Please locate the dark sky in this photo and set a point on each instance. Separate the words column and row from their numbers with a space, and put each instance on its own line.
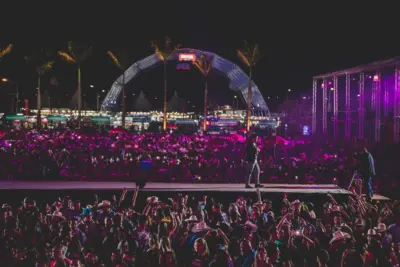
column 298, row 41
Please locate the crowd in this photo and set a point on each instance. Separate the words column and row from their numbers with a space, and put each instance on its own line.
column 190, row 232
column 185, row 230
column 88, row 154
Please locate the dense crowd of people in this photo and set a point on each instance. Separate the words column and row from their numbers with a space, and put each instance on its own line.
column 189, row 231
column 185, row 230
column 117, row 154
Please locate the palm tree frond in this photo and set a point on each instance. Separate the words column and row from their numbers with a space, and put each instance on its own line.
column 6, row 50
column 199, row 67
column 154, row 44
column 71, row 48
column 167, row 43
column 41, row 61
column 209, row 67
column 45, row 67
column 78, row 52
column 114, row 59
column 243, row 57
column 157, row 50
column 166, row 51
column 203, row 64
column 255, row 55
column 249, row 55
column 68, row 58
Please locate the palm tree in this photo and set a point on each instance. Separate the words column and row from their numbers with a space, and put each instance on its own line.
column 40, row 60
column 5, row 51
column 76, row 54
column 121, row 60
column 204, row 65
column 164, row 54
column 249, row 56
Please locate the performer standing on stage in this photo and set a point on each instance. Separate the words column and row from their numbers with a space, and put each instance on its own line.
column 367, row 171
column 252, row 167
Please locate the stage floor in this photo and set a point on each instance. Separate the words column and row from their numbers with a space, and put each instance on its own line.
column 175, row 187
column 84, row 185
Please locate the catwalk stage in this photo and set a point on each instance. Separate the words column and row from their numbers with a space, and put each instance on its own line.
column 176, row 187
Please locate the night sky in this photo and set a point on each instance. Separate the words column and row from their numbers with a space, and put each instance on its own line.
column 297, row 42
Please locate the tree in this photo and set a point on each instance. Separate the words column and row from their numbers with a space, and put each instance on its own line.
column 42, row 63
column 249, row 56
column 5, row 51
column 77, row 54
column 165, row 53
column 121, row 60
column 204, row 65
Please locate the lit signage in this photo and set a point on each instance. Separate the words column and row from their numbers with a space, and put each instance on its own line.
column 187, row 57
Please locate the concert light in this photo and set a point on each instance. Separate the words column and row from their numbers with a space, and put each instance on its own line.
column 187, row 57
column 376, row 78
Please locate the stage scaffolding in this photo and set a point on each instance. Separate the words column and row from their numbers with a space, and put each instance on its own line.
column 376, row 106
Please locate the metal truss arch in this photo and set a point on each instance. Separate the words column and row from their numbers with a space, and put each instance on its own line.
column 238, row 79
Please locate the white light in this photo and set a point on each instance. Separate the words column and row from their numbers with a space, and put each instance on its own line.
column 187, row 57
column 91, row 86
column 103, row 91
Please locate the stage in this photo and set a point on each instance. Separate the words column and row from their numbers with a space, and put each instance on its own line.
column 175, row 187
column 12, row 192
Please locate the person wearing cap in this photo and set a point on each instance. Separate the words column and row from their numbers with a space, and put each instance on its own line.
column 384, row 237
column 105, row 210
column 374, row 248
column 253, row 169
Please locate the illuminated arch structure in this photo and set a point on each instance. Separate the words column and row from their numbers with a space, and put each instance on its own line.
column 238, row 79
